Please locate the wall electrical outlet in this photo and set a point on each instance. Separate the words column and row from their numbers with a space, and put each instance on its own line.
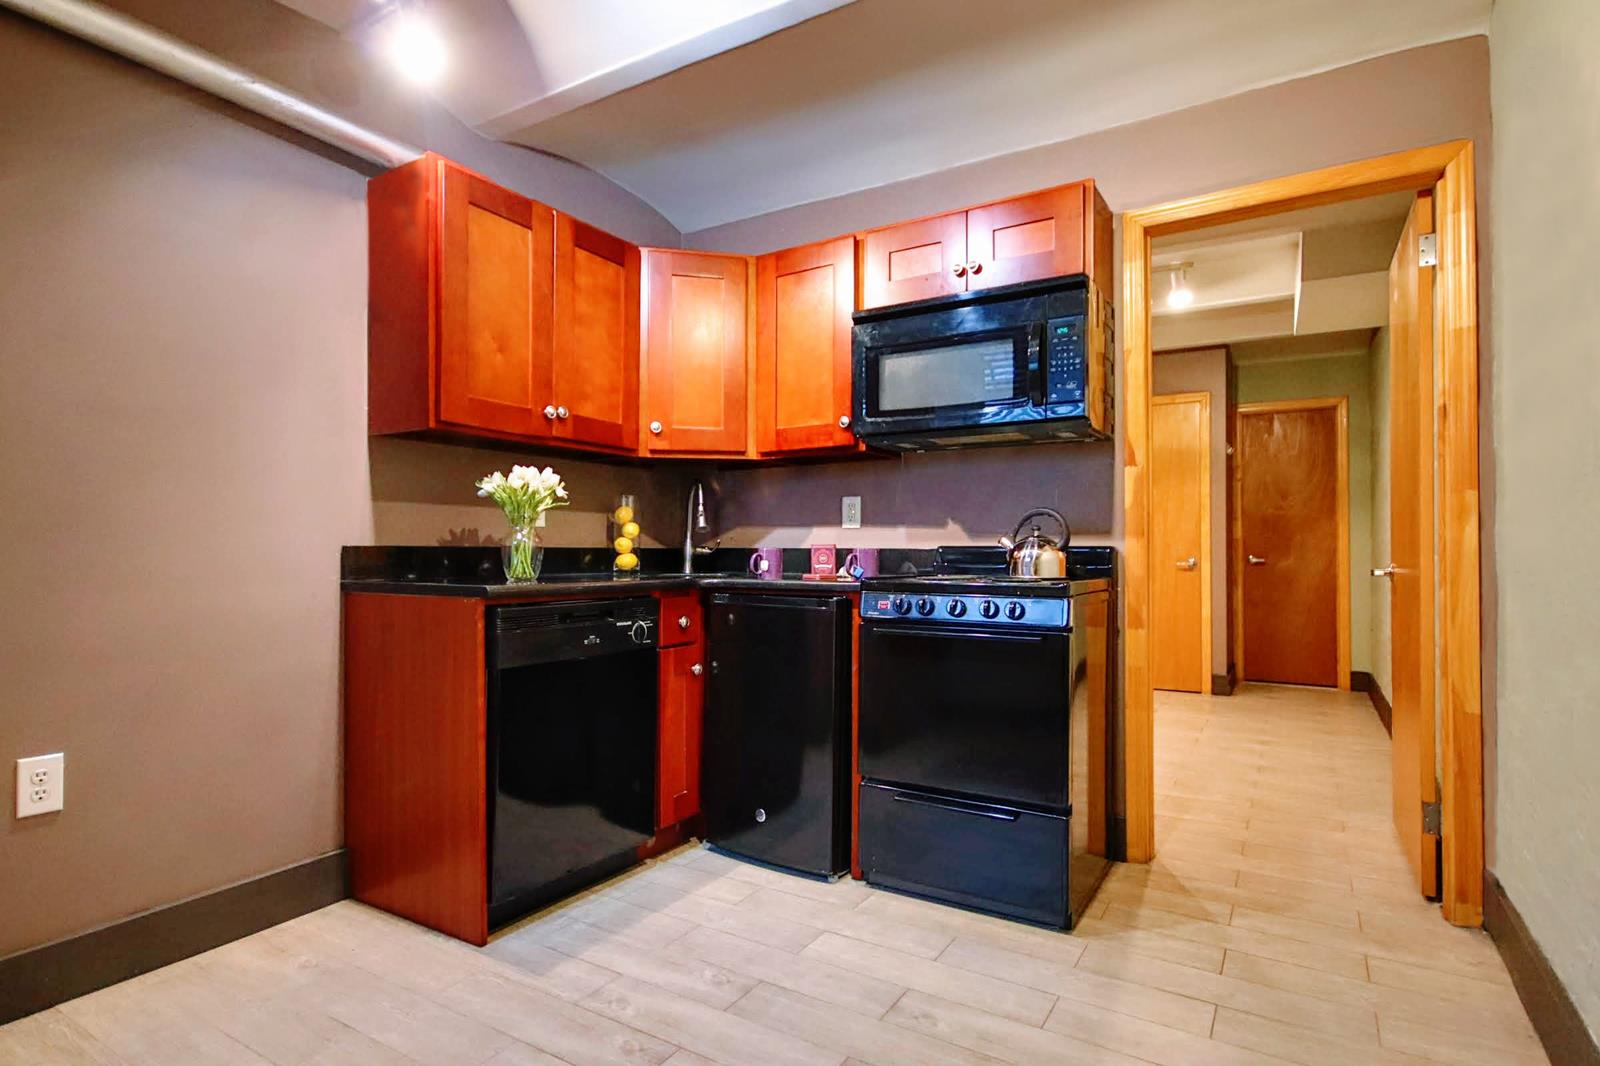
column 41, row 784
column 851, row 517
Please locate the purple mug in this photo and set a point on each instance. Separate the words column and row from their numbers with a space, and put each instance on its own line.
column 861, row 562
column 767, row 563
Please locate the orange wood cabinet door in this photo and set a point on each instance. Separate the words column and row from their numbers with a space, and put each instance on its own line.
column 1411, row 567
column 682, row 689
column 914, row 260
column 695, row 358
column 495, row 275
column 594, row 380
column 804, row 299
column 1289, row 486
column 1031, row 237
column 1180, row 486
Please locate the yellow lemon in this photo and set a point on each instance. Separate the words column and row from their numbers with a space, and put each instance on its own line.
column 623, row 545
column 630, row 529
column 627, row 561
column 623, row 514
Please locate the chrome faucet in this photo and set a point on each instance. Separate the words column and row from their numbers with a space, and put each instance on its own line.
column 694, row 520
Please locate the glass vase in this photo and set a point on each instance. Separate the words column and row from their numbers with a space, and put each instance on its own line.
column 522, row 554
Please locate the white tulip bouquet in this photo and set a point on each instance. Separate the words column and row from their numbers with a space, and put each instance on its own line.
column 524, row 495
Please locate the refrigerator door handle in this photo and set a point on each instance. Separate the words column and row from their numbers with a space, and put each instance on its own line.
column 996, row 813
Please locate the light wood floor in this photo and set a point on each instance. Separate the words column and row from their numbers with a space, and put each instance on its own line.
column 1277, row 926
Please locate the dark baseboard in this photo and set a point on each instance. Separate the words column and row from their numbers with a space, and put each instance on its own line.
column 1555, row 1017
column 39, row 978
column 1361, row 681
column 1222, row 684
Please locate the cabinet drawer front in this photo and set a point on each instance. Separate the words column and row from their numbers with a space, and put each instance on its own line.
column 681, row 620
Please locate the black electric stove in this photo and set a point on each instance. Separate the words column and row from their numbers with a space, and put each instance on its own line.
column 985, row 734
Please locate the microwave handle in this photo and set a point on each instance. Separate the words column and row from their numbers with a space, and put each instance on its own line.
column 1036, row 383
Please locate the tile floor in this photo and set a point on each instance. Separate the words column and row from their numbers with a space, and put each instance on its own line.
column 1278, row 925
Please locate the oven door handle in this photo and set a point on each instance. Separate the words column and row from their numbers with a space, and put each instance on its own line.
column 962, row 634
column 995, row 813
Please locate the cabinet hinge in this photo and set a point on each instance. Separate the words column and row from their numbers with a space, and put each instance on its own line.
column 1430, row 818
column 1428, row 250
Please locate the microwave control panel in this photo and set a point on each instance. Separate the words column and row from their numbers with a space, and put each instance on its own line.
column 1065, row 370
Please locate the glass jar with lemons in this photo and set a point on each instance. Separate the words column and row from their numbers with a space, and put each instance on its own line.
column 625, row 538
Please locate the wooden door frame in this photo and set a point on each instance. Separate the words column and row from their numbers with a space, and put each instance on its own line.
column 1341, row 408
column 1205, row 526
column 1449, row 170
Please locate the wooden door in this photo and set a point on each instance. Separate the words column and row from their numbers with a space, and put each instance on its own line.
column 594, row 387
column 1411, row 530
column 1294, row 517
column 1031, row 237
column 804, row 298
column 695, row 355
column 495, row 304
column 914, row 260
column 682, row 683
column 1180, row 541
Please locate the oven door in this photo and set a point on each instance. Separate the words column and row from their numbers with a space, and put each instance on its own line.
column 968, row 711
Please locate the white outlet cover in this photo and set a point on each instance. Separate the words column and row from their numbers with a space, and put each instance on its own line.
column 850, row 517
column 41, row 784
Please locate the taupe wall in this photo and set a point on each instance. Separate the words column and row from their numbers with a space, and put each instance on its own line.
column 1382, row 644
column 183, row 450
column 1546, row 466
column 1206, row 370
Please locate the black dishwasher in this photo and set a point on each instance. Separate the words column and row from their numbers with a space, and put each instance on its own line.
column 775, row 769
column 571, row 746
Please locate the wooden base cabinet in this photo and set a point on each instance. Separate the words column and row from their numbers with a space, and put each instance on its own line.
column 682, row 692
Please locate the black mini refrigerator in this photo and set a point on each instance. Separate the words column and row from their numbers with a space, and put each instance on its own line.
column 775, row 768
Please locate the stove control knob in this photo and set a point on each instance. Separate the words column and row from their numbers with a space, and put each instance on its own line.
column 956, row 608
column 925, row 606
column 989, row 609
column 1015, row 610
column 902, row 605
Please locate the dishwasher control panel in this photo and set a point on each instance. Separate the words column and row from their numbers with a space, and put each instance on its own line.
column 522, row 634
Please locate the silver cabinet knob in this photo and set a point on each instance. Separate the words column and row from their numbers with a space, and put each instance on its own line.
column 697, row 669
column 656, row 427
column 844, row 421
column 550, row 411
column 1385, row 571
column 974, row 267
column 959, row 270
column 683, row 621
column 562, row 412
column 1188, row 564
column 761, row 814
column 1255, row 560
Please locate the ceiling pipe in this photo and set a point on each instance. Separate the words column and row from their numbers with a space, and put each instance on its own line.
column 144, row 44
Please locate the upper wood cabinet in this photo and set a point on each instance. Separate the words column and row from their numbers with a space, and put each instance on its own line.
column 804, row 298
column 1065, row 230
column 595, row 370
column 695, row 360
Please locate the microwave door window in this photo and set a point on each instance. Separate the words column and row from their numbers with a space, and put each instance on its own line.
column 967, row 374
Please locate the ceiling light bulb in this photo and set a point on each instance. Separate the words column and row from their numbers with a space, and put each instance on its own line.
column 1180, row 295
column 415, row 47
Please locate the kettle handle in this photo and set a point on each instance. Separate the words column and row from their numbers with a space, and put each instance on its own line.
column 1066, row 530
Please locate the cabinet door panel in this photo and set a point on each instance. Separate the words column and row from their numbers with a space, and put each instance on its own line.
column 678, row 770
column 914, row 260
column 595, row 371
column 804, row 300
column 1031, row 237
column 495, row 306
column 695, row 352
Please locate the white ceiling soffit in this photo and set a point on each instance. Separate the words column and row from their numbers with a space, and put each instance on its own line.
column 882, row 90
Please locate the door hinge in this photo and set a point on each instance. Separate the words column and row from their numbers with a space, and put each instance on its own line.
column 1428, row 250
column 1430, row 818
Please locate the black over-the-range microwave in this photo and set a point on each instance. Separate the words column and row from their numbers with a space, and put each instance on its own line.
column 1007, row 365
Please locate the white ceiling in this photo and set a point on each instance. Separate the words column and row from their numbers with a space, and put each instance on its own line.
column 710, row 116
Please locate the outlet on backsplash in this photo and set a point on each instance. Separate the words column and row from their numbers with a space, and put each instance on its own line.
column 850, row 517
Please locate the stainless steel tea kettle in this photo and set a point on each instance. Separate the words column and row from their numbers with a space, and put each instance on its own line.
column 1036, row 555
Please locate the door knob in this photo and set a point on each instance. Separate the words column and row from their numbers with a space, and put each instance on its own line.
column 974, row 267
column 959, row 270
column 1255, row 560
column 844, row 421
column 655, row 427
column 697, row 669
column 550, row 411
column 1385, row 571
column 1188, row 564
column 562, row 412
